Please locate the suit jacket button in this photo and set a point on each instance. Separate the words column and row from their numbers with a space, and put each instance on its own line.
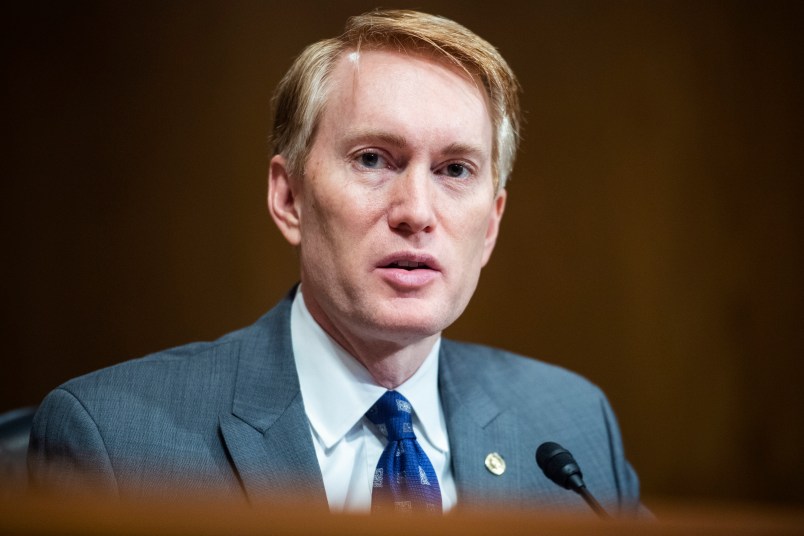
column 495, row 464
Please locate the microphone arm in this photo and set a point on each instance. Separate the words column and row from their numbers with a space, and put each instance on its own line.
column 592, row 502
column 559, row 466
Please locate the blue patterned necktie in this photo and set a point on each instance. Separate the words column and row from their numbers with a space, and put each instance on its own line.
column 404, row 480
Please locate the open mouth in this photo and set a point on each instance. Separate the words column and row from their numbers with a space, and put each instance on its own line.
column 408, row 271
column 409, row 265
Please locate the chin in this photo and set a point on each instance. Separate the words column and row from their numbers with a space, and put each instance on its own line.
column 412, row 321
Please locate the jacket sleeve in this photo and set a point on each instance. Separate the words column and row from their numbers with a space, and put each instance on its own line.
column 627, row 481
column 66, row 450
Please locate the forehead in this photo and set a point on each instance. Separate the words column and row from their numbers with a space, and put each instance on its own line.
column 414, row 94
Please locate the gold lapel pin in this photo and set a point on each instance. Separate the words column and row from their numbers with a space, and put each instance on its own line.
column 495, row 463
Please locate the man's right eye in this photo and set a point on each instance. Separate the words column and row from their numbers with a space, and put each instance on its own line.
column 371, row 160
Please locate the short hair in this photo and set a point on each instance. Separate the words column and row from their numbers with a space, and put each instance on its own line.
column 300, row 97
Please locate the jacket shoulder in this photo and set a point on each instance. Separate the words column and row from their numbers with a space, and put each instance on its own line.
column 521, row 376
column 167, row 370
column 204, row 370
column 153, row 421
column 542, row 402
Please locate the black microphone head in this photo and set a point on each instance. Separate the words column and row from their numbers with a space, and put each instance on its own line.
column 559, row 465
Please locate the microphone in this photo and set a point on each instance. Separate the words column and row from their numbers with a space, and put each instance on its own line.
column 559, row 466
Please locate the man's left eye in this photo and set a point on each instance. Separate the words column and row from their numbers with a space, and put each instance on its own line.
column 456, row 171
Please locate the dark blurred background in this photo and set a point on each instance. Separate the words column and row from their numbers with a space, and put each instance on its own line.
column 652, row 241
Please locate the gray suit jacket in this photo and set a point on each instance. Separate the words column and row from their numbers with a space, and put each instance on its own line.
column 228, row 416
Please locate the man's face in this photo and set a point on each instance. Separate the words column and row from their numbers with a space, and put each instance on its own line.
column 396, row 211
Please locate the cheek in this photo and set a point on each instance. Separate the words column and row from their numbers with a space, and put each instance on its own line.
column 473, row 225
column 337, row 221
column 472, row 251
column 316, row 225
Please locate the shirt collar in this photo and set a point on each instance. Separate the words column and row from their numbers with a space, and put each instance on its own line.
column 337, row 390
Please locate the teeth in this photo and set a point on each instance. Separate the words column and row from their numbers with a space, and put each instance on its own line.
column 408, row 264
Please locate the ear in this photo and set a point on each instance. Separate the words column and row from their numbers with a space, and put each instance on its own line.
column 494, row 225
column 282, row 200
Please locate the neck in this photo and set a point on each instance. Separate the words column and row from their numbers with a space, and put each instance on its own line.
column 389, row 360
column 390, row 364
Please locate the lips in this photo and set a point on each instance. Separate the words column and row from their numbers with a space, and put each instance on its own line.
column 409, row 271
column 410, row 261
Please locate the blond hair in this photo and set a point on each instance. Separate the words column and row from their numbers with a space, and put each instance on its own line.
column 301, row 95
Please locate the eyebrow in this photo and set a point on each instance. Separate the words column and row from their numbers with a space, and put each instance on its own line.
column 376, row 135
column 464, row 149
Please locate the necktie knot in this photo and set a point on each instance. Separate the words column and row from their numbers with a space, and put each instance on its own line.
column 393, row 414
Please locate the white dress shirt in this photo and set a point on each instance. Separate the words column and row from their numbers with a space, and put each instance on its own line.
column 337, row 391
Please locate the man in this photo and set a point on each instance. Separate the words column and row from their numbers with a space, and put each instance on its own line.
column 392, row 145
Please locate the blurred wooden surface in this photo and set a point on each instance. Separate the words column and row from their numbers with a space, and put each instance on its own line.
column 37, row 516
column 652, row 240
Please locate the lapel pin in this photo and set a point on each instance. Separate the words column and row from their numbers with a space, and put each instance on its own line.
column 495, row 463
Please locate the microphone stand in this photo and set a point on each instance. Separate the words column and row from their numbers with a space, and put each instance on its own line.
column 592, row 502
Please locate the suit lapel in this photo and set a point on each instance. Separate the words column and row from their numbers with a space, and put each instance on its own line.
column 267, row 433
column 477, row 426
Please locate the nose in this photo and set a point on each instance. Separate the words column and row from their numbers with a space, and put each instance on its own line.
column 411, row 208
